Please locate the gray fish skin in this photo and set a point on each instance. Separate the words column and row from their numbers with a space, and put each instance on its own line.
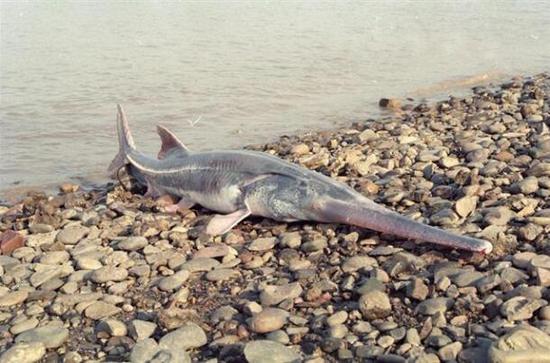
column 239, row 183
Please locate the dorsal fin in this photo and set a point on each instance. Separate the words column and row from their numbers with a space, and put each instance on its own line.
column 170, row 143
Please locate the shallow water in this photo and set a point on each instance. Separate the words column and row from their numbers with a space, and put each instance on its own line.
column 228, row 74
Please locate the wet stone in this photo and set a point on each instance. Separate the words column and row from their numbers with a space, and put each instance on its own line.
column 24, row 353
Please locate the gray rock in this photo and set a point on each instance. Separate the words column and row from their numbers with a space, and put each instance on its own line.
column 108, row 273
column 450, row 351
column 132, row 243
column 467, row 278
column 521, row 344
column 175, row 281
column 434, row 305
column 113, row 327
column 272, row 295
column 222, row 274
column 262, row 244
column 188, row 336
column 51, row 336
column 200, row 264
column 417, row 289
column 55, row 257
column 521, row 308
column 268, row 320
column 13, row 298
column 267, row 351
column 24, row 353
column 355, row 263
column 99, row 310
column 72, row 234
column 148, row 351
column 375, row 305
column 141, row 329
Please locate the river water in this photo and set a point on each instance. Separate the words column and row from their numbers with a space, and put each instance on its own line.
column 227, row 74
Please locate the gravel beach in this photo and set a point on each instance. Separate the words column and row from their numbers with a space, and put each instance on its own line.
column 104, row 275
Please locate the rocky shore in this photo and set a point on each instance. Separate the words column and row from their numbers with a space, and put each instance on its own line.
column 105, row 275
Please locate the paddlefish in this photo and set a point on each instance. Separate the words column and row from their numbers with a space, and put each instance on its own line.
column 240, row 183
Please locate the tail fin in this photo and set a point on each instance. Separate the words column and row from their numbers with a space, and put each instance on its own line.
column 367, row 214
column 125, row 143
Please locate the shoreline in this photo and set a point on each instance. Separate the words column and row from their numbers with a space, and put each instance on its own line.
column 103, row 275
column 432, row 93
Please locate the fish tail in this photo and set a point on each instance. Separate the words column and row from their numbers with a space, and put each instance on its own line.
column 125, row 143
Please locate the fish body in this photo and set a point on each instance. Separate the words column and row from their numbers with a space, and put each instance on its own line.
column 240, row 183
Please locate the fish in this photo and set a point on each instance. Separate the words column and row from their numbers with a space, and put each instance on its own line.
column 237, row 184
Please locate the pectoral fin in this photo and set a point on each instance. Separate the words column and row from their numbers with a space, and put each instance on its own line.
column 221, row 224
column 184, row 203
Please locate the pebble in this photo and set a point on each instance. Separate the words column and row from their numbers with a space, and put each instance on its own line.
column 174, row 281
column 24, row 353
column 13, row 298
column 521, row 344
column 262, row 244
column 71, row 235
column 222, row 274
column 51, row 336
column 267, row 351
column 189, row 336
column 133, row 243
column 141, row 329
column 434, row 305
column 355, row 263
column 100, row 310
column 273, row 295
column 10, row 241
column 113, row 327
column 375, row 305
column 268, row 320
column 108, row 273
column 521, row 308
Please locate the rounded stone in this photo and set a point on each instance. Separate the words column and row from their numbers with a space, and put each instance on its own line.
column 24, row 353
column 268, row 320
column 375, row 304
column 267, row 351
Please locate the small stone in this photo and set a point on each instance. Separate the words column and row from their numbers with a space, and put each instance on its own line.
column 467, row 278
column 434, row 305
column 337, row 318
column 99, row 310
column 465, row 206
column 113, row 327
column 268, row 320
column 299, row 150
column 141, row 329
column 71, row 235
column 200, row 264
column 315, row 245
column 450, row 351
column 133, row 243
column 523, row 343
column 13, row 298
column 291, row 239
column 390, row 103
column 375, row 305
column 526, row 186
column 521, row 308
column 24, row 353
column 272, row 295
column 543, row 276
column 108, row 273
column 355, row 263
column 413, row 337
column 10, row 241
column 189, row 336
column 50, row 336
column 55, row 257
column 174, row 281
column 417, row 289
column 267, row 351
column 24, row 325
column 216, row 251
column 88, row 263
column 222, row 274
